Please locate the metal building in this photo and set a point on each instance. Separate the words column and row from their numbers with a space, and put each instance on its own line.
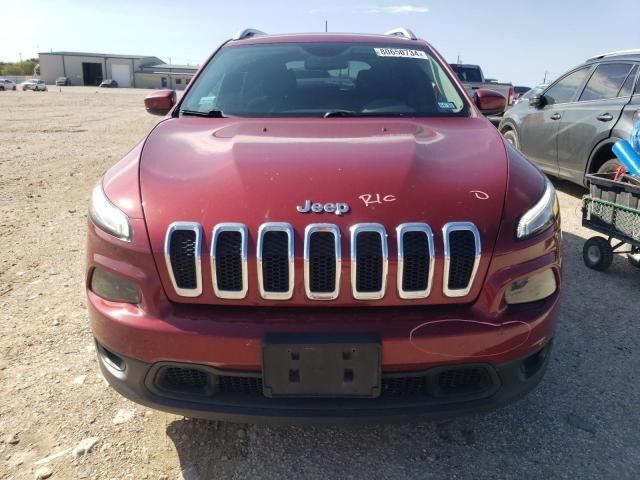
column 128, row 70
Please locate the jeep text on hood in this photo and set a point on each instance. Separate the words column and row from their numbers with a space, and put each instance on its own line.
column 324, row 226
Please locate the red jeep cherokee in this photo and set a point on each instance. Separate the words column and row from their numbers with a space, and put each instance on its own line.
column 323, row 226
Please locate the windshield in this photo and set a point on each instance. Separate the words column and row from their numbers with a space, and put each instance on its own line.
column 467, row 74
column 324, row 79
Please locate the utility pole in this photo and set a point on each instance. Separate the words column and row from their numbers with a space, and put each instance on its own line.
column 20, row 55
column 545, row 77
column 459, row 59
column 326, row 26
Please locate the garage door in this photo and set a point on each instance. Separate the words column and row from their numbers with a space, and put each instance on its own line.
column 121, row 73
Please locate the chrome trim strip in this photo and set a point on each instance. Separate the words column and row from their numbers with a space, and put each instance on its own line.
column 189, row 226
column 446, row 231
column 275, row 227
column 244, row 233
column 310, row 230
column 400, row 231
column 355, row 231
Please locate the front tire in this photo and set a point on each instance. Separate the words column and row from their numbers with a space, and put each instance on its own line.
column 512, row 137
column 597, row 254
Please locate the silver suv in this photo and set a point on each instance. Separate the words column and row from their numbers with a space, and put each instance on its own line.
column 568, row 129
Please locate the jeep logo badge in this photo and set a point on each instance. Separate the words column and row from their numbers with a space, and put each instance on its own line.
column 337, row 208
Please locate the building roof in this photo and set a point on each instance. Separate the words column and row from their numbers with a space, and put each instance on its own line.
column 173, row 66
column 102, row 55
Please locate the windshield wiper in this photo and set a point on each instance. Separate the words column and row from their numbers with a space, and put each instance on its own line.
column 198, row 113
column 339, row 113
column 348, row 113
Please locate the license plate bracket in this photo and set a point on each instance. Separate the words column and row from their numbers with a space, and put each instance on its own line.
column 311, row 365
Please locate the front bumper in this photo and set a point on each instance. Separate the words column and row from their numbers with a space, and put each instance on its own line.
column 141, row 382
column 417, row 345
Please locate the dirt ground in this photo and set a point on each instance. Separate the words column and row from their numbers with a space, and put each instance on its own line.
column 581, row 422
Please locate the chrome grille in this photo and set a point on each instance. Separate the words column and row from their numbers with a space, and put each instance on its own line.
column 322, row 260
column 416, row 260
column 369, row 259
column 461, row 257
column 182, row 250
column 275, row 261
column 229, row 260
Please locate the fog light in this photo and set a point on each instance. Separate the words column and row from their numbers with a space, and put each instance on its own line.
column 113, row 287
column 536, row 287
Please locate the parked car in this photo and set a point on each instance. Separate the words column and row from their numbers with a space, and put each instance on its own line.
column 323, row 226
column 525, row 96
column 62, row 82
column 519, row 91
column 569, row 128
column 7, row 84
column 36, row 85
column 473, row 79
column 108, row 83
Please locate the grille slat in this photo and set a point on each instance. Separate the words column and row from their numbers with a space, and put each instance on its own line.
column 369, row 258
column 275, row 261
column 229, row 260
column 415, row 260
column 322, row 261
column 182, row 256
column 462, row 256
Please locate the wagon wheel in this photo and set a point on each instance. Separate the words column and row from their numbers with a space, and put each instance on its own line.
column 597, row 254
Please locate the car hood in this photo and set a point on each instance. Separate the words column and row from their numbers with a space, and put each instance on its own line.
column 389, row 171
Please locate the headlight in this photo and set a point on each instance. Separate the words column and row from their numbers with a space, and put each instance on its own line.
column 107, row 216
column 536, row 287
column 541, row 215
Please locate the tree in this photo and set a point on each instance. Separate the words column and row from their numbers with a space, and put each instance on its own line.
column 12, row 69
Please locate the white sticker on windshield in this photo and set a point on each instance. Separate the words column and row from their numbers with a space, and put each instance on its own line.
column 447, row 105
column 400, row 52
column 208, row 101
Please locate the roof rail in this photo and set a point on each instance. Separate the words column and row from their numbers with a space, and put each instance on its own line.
column 402, row 32
column 631, row 51
column 247, row 33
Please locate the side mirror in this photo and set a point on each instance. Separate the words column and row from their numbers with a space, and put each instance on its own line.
column 490, row 102
column 536, row 100
column 160, row 102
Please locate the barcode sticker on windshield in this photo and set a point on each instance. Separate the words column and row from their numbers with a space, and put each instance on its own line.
column 400, row 52
column 446, row 105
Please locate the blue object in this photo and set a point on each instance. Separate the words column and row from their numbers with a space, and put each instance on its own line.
column 634, row 141
column 627, row 156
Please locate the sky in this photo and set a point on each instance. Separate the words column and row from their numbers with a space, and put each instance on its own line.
column 514, row 41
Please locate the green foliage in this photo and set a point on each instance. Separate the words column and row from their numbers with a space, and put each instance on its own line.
column 25, row 67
